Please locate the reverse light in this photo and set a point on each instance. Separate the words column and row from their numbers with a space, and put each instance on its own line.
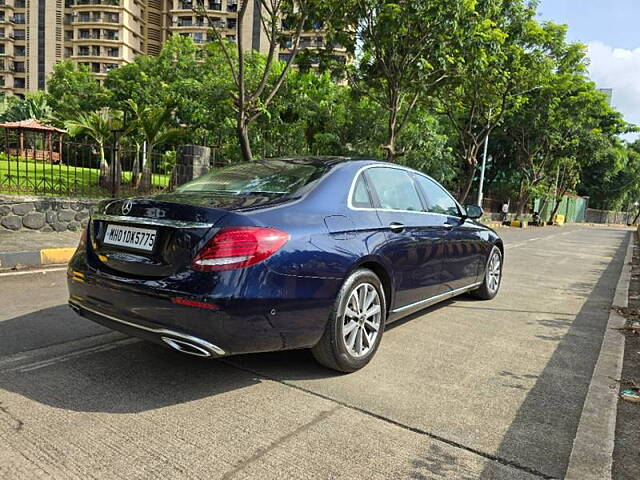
column 238, row 247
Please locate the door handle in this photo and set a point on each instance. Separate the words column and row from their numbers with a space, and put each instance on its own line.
column 396, row 227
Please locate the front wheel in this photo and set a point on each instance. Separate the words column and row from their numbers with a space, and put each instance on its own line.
column 356, row 324
column 492, row 276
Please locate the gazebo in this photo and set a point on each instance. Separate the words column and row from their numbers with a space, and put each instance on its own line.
column 23, row 128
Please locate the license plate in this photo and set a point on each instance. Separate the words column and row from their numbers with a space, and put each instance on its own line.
column 130, row 237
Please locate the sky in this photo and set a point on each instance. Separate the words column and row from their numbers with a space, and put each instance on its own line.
column 611, row 31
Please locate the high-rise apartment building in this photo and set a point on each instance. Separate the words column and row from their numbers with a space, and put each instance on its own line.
column 104, row 34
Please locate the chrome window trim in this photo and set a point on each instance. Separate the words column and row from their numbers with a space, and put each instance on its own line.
column 159, row 222
column 397, row 167
column 437, row 298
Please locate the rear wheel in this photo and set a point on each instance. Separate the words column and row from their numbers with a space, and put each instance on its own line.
column 356, row 324
column 492, row 276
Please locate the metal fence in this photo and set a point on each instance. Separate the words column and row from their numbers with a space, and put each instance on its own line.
column 87, row 170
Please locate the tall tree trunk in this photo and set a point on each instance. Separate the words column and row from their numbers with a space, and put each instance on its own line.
column 466, row 186
column 523, row 199
column 392, row 126
column 135, row 168
column 104, row 181
column 145, row 178
column 243, row 139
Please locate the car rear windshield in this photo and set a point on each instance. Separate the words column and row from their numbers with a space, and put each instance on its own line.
column 269, row 177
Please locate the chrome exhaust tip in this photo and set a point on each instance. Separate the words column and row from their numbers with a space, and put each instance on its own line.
column 190, row 348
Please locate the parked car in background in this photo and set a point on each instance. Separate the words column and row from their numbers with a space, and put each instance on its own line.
column 318, row 253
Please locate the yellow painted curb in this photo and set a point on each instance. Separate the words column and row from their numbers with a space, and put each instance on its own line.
column 56, row 255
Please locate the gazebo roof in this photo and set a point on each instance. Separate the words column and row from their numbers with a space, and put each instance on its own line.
column 31, row 125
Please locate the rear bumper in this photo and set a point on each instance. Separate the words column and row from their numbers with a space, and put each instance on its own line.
column 174, row 339
column 282, row 313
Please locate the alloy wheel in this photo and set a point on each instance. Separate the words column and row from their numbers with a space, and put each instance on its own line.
column 494, row 271
column 361, row 320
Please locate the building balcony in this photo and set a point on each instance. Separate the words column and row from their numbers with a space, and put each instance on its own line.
column 105, row 3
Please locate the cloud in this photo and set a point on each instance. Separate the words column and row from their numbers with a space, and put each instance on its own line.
column 619, row 69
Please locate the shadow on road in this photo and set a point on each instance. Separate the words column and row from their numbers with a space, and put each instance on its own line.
column 541, row 435
column 44, row 327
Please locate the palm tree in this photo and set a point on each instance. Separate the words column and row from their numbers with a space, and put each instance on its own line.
column 100, row 126
column 154, row 125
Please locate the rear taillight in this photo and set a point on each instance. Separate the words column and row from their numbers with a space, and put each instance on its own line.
column 237, row 247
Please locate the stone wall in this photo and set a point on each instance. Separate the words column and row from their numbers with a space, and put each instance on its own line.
column 45, row 214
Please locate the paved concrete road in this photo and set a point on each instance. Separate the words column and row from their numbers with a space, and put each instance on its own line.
column 466, row 390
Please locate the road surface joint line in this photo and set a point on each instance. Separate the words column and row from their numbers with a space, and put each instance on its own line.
column 434, row 436
column 26, row 272
column 592, row 453
column 16, row 361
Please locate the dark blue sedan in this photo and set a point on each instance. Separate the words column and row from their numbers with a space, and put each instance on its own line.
column 316, row 253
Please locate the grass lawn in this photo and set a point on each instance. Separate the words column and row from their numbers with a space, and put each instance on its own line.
column 40, row 178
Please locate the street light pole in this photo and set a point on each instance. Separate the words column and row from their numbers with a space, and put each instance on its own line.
column 484, row 163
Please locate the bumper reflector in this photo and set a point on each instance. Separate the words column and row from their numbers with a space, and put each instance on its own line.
column 192, row 303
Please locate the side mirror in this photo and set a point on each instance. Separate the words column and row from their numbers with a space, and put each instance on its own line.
column 473, row 211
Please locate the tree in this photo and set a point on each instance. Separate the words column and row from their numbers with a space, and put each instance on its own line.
column 256, row 78
column 502, row 60
column 408, row 49
column 72, row 89
column 154, row 124
column 34, row 105
column 99, row 125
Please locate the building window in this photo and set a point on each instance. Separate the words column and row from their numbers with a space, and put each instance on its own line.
column 19, row 18
column 185, row 5
column 110, row 34
column 68, row 52
column 215, row 5
column 232, row 5
column 96, row 17
column 83, row 50
column 95, row 67
column 113, row 52
column 109, row 66
column 95, row 50
column 19, row 83
column 198, row 37
column 112, row 17
column 19, row 50
column 231, row 38
column 231, row 23
column 19, row 3
column 2, row 33
column 18, row 67
column 68, row 34
column 185, row 21
column 2, row 81
column 84, row 34
column 19, row 35
column 2, row 49
column 2, row 18
column 68, row 18
column 84, row 16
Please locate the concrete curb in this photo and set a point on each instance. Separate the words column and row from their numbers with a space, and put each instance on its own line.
column 592, row 453
column 45, row 256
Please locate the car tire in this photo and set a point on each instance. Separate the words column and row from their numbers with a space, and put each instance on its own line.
column 492, row 276
column 348, row 342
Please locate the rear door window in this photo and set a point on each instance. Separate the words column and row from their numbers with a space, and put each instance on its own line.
column 394, row 189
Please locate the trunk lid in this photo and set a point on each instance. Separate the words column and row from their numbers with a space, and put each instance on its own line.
column 180, row 224
column 178, row 230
